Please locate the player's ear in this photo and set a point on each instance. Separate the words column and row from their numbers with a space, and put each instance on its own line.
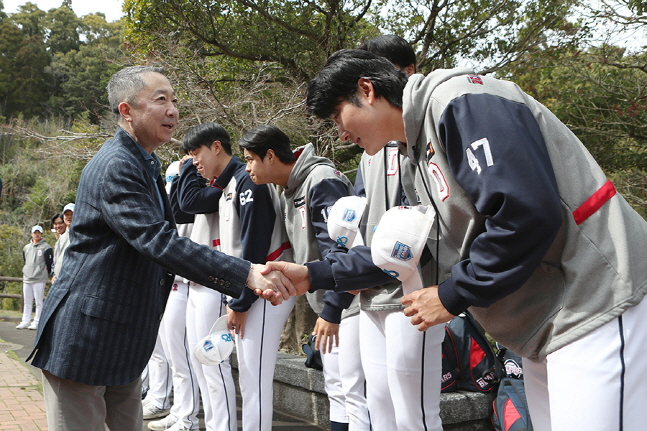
column 365, row 89
column 270, row 156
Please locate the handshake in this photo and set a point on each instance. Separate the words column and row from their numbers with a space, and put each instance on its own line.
column 277, row 281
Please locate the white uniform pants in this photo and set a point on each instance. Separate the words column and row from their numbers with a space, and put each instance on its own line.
column 352, row 375
column 157, row 378
column 403, row 369
column 173, row 335
column 256, row 354
column 333, row 386
column 216, row 382
column 32, row 292
column 596, row 383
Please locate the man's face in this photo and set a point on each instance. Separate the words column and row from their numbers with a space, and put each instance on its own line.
column 371, row 122
column 67, row 217
column 205, row 159
column 36, row 236
column 59, row 226
column 155, row 115
column 256, row 168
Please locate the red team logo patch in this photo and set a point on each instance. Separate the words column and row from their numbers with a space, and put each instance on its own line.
column 475, row 79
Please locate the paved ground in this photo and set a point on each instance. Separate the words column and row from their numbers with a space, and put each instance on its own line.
column 21, row 399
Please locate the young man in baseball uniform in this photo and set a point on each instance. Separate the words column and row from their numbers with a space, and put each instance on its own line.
column 530, row 234
column 251, row 226
column 38, row 264
column 312, row 185
column 399, row 361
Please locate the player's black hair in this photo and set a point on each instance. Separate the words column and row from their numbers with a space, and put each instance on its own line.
column 203, row 135
column 55, row 216
column 393, row 48
column 337, row 81
column 266, row 137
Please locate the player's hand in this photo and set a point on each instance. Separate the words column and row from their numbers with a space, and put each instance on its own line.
column 425, row 309
column 327, row 335
column 270, row 285
column 184, row 159
column 297, row 274
column 236, row 322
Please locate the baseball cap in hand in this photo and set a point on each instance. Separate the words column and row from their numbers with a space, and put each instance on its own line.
column 216, row 347
column 171, row 172
column 398, row 243
column 343, row 220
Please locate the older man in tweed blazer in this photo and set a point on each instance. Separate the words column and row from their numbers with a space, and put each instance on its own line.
column 101, row 317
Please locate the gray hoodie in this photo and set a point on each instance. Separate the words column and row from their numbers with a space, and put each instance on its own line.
column 531, row 236
column 38, row 262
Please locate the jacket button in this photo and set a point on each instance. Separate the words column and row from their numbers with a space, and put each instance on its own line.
column 162, row 282
column 211, row 279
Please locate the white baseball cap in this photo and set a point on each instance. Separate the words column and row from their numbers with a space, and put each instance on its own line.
column 172, row 171
column 398, row 243
column 216, row 347
column 68, row 207
column 343, row 221
column 37, row 228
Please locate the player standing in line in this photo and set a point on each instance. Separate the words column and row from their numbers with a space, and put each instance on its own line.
column 183, row 415
column 312, row 185
column 63, row 240
column 251, row 227
column 401, row 363
column 531, row 235
column 38, row 259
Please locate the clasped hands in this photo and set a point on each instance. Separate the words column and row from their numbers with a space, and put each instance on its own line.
column 277, row 281
column 285, row 279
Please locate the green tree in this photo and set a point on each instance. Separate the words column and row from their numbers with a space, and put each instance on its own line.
column 62, row 29
column 30, row 20
column 23, row 83
column 300, row 34
column 11, row 39
column 31, row 83
column 81, row 75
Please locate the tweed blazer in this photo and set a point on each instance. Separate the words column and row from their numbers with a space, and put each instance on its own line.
column 101, row 316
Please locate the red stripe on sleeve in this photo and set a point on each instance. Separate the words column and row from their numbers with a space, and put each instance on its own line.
column 595, row 202
column 276, row 253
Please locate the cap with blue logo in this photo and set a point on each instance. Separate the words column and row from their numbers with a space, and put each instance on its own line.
column 398, row 243
column 172, row 171
column 343, row 221
column 217, row 346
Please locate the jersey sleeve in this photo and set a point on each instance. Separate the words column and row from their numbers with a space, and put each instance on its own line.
column 193, row 195
column 497, row 154
column 257, row 216
column 344, row 272
column 181, row 217
column 49, row 259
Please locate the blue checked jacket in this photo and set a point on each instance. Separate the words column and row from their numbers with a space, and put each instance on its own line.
column 101, row 317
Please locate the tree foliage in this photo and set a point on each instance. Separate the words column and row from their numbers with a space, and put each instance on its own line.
column 299, row 35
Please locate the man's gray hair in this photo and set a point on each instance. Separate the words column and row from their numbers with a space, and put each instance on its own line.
column 125, row 85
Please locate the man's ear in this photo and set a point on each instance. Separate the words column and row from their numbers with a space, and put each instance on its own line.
column 410, row 69
column 270, row 156
column 216, row 146
column 365, row 89
column 124, row 111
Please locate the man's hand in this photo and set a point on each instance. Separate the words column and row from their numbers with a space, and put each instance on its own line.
column 425, row 309
column 269, row 284
column 297, row 274
column 236, row 322
column 327, row 335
